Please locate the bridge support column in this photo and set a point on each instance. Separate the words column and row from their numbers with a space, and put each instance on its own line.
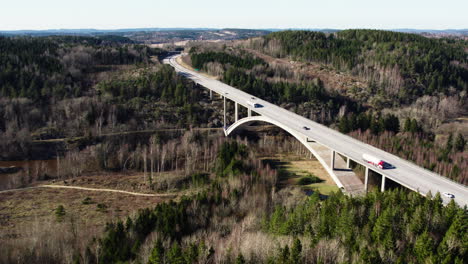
column 236, row 111
column 348, row 163
column 366, row 179
column 224, row 112
column 249, row 112
column 332, row 159
column 382, row 188
column 211, row 94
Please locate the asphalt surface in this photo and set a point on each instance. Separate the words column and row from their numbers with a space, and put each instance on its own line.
column 403, row 172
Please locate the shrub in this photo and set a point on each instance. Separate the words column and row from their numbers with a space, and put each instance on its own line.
column 309, row 179
column 101, row 207
column 87, row 200
column 60, row 213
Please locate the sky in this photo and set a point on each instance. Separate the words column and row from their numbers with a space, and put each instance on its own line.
column 337, row 14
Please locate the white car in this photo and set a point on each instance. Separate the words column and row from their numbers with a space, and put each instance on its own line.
column 448, row 195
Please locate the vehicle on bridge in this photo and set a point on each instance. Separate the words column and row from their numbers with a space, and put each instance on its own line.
column 448, row 195
column 254, row 105
column 375, row 161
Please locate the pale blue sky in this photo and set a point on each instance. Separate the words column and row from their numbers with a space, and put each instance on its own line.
column 340, row 14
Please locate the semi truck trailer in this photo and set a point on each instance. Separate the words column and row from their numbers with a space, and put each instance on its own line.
column 374, row 161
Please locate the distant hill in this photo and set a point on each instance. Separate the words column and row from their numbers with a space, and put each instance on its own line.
column 149, row 35
column 90, row 31
column 434, row 31
column 191, row 33
column 180, row 33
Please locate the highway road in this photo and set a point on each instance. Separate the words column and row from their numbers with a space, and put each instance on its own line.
column 404, row 172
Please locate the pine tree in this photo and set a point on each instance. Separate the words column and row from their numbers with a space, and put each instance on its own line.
column 157, row 254
column 460, row 143
column 175, row 256
column 454, row 242
column 240, row 259
column 449, row 144
column 423, row 247
column 60, row 213
column 344, row 126
column 296, row 251
column 407, row 126
column 284, row 255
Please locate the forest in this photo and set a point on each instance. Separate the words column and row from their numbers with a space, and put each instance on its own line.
column 405, row 66
column 110, row 115
column 75, row 86
column 41, row 68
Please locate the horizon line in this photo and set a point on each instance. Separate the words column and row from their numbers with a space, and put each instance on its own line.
column 221, row 28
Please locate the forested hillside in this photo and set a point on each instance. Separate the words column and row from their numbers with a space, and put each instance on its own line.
column 40, row 68
column 399, row 66
column 58, row 87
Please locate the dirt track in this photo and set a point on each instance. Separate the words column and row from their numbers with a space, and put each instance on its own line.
column 91, row 189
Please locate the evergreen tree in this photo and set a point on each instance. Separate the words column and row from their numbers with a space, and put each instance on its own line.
column 344, row 126
column 240, row 259
column 423, row 247
column 175, row 256
column 296, row 251
column 284, row 255
column 157, row 254
column 407, row 126
column 449, row 144
column 460, row 143
column 60, row 213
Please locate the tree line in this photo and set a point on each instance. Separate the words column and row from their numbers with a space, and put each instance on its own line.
column 199, row 59
column 276, row 92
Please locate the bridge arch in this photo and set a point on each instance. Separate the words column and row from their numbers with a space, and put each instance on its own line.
column 300, row 137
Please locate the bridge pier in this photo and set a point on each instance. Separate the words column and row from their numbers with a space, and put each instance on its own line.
column 236, row 111
column 332, row 160
column 224, row 112
column 211, row 94
column 366, row 179
column 348, row 163
column 249, row 112
column 382, row 187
